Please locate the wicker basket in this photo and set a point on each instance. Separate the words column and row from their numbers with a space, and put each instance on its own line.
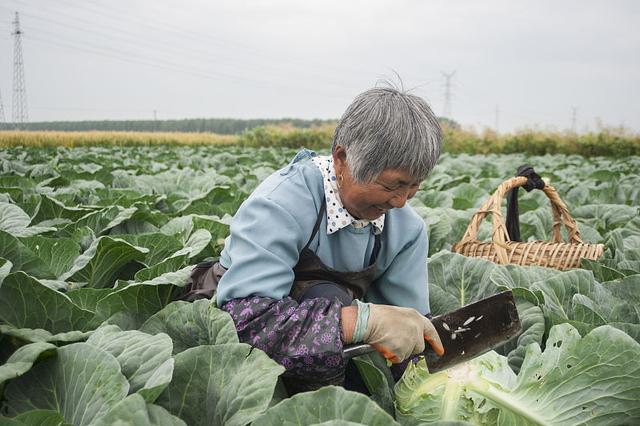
column 552, row 254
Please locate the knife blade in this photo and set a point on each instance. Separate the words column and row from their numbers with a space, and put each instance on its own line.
column 467, row 332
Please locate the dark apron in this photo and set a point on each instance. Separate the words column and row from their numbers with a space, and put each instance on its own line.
column 309, row 271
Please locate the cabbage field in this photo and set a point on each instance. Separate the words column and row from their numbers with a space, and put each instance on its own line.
column 97, row 242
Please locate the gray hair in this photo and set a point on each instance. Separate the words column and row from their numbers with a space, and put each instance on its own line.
column 386, row 128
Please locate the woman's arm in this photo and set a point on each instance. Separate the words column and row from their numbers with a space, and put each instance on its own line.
column 348, row 318
column 305, row 338
column 263, row 249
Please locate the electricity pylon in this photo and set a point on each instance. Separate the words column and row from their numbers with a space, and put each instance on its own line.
column 446, row 111
column 20, row 114
column 2, row 117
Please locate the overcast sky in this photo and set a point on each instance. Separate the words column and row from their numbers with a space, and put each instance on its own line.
column 533, row 61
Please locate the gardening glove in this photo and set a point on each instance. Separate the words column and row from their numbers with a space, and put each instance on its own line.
column 397, row 333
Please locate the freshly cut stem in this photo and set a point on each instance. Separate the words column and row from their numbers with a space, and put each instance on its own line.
column 505, row 401
column 451, row 400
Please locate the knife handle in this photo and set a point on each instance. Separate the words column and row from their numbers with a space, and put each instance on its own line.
column 364, row 348
column 357, row 349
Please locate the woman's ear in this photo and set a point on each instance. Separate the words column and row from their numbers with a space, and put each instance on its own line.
column 340, row 160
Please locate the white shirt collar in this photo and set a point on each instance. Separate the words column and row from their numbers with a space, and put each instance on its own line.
column 337, row 216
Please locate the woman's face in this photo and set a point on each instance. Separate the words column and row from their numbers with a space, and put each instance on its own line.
column 391, row 189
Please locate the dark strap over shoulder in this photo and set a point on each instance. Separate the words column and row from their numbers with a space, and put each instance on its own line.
column 316, row 227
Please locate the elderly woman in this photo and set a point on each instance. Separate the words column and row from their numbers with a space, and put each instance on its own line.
column 326, row 252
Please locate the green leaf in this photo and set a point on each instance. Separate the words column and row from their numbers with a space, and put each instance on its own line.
column 323, row 406
column 565, row 396
column 160, row 246
column 192, row 324
column 179, row 227
column 58, row 254
column 82, row 383
column 13, row 219
column 512, row 276
column 219, row 228
column 16, row 222
column 88, row 298
column 99, row 221
column 446, row 395
column 23, row 359
column 576, row 380
column 170, row 264
column 50, row 208
column 607, row 216
column 40, row 335
column 123, row 214
column 456, row 281
column 5, row 269
column 35, row 417
column 158, row 381
column 132, row 305
column 27, row 303
column 22, row 258
column 600, row 271
column 230, row 384
column 99, row 266
column 134, row 411
column 627, row 288
column 198, row 241
column 533, row 328
column 377, row 377
column 139, row 354
column 178, row 278
column 445, row 226
column 218, row 201
column 467, row 196
column 576, row 297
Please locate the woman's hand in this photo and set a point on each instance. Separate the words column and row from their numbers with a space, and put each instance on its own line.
column 397, row 333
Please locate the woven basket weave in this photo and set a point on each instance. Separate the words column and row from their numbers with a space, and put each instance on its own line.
column 552, row 254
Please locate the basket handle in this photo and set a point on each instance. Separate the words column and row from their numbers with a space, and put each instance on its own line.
column 534, row 181
column 500, row 235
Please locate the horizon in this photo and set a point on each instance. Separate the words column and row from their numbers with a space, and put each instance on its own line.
column 535, row 64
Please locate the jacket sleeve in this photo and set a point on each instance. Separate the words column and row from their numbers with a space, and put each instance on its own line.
column 304, row 338
column 264, row 247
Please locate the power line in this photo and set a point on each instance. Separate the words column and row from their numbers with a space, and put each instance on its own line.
column 20, row 113
column 446, row 111
column 112, row 32
column 170, row 66
column 192, row 35
column 214, row 62
column 54, row 38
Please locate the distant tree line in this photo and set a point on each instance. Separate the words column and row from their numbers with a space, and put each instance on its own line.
column 223, row 126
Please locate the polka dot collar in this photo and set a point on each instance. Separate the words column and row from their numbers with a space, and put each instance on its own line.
column 337, row 216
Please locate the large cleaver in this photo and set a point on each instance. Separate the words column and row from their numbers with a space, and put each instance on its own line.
column 467, row 332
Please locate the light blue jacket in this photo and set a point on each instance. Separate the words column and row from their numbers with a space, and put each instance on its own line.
column 273, row 225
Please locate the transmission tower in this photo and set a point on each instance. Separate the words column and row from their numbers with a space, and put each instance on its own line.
column 446, row 111
column 574, row 119
column 2, row 117
column 20, row 114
